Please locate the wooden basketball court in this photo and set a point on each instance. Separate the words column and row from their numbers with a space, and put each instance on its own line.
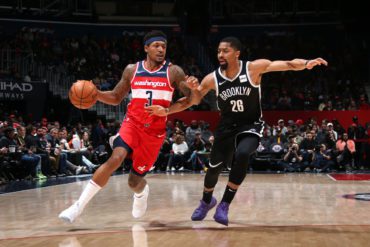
column 269, row 210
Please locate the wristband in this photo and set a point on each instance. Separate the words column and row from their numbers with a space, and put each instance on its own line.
column 305, row 64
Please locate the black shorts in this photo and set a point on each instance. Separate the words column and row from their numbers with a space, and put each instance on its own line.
column 225, row 144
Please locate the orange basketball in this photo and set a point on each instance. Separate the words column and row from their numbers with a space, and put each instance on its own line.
column 83, row 94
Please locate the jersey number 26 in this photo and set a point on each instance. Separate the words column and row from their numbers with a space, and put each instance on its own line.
column 237, row 105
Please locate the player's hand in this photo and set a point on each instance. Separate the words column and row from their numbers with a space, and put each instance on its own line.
column 156, row 110
column 314, row 62
column 192, row 82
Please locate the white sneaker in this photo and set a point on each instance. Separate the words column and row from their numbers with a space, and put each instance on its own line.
column 70, row 214
column 181, row 168
column 111, row 140
column 140, row 203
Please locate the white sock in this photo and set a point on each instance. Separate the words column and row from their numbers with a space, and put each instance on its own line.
column 138, row 195
column 88, row 193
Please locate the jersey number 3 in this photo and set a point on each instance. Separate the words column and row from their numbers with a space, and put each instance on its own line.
column 237, row 105
column 150, row 98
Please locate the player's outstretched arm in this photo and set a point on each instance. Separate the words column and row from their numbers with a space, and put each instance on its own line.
column 187, row 85
column 115, row 96
column 260, row 66
column 265, row 66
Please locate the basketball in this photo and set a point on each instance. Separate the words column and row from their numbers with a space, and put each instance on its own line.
column 83, row 94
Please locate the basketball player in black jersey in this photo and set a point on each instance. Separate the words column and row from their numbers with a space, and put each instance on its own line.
column 238, row 88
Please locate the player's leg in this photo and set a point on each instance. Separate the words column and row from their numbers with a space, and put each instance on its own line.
column 138, row 184
column 247, row 144
column 100, row 179
column 221, row 154
column 144, row 158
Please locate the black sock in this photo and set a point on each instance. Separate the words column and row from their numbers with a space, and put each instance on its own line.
column 207, row 196
column 228, row 195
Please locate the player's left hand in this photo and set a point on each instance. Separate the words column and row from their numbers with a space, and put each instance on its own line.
column 156, row 110
column 314, row 62
column 192, row 82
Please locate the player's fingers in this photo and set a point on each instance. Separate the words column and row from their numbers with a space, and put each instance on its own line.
column 150, row 107
column 321, row 61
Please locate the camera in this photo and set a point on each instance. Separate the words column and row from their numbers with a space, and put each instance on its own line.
column 317, row 149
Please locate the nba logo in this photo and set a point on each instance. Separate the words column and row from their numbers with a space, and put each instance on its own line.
column 243, row 78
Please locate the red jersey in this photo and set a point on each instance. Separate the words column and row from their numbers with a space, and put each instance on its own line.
column 149, row 88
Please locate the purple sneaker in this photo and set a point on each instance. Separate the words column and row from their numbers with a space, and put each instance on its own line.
column 201, row 211
column 221, row 213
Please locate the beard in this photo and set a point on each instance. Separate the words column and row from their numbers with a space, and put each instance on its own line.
column 224, row 66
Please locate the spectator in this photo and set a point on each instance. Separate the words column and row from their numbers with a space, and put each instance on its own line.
column 191, row 130
column 308, row 147
column 322, row 159
column 280, row 127
column 178, row 156
column 331, row 131
column 197, row 146
column 346, row 152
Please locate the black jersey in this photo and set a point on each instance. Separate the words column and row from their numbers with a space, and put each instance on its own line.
column 239, row 102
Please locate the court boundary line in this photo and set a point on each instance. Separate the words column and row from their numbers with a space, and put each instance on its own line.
column 331, row 177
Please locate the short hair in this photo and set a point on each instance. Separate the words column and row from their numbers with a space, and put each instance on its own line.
column 154, row 33
column 8, row 130
column 234, row 42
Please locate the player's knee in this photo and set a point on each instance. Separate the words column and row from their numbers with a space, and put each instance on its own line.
column 115, row 161
column 242, row 157
column 214, row 171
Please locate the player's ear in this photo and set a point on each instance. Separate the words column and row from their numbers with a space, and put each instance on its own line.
column 237, row 54
column 146, row 48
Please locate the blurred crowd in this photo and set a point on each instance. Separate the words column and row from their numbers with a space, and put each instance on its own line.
column 47, row 149
column 312, row 146
column 340, row 86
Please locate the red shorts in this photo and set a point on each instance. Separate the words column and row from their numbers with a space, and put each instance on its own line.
column 145, row 147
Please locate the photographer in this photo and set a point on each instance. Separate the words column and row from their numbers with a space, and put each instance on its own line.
column 322, row 160
column 292, row 160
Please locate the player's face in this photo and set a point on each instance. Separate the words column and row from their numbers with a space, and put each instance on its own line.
column 227, row 55
column 156, row 51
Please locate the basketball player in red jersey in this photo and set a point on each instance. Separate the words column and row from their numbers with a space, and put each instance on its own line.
column 152, row 82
